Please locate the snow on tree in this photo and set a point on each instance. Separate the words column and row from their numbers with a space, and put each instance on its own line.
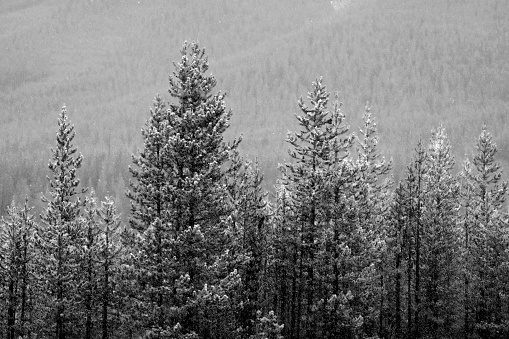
column 17, row 257
column 485, row 240
column 59, row 236
column 179, row 204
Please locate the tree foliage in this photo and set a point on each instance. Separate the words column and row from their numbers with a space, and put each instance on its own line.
column 338, row 251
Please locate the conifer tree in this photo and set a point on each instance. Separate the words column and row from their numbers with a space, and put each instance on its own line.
column 414, row 184
column 251, row 234
column 88, row 264
column 282, row 266
column 179, row 202
column 108, row 258
column 440, row 246
column 149, row 173
column 371, row 188
column 402, row 272
column 267, row 327
column 149, row 209
column 58, row 238
column 317, row 150
column 485, row 238
column 16, row 269
column 398, row 225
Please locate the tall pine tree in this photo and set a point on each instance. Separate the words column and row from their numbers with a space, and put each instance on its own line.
column 440, row 235
column 317, row 150
column 17, row 255
column 179, row 203
column 60, row 235
column 485, row 242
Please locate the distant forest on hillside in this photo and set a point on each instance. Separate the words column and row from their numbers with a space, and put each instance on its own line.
column 342, row 250
column 416, row 63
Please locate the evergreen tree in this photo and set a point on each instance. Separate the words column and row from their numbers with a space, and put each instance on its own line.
column 251, row 235
column 149, row 209
column 179, row 204
column 108, row 258
column 485, row 241
column 402, row 265
column 58, row 238
column 149, row 173
column 440, row 245
column 88, row 265
column 398, row 224
column 267, row 327
column 16, row 268
column 317, row 150
column 282, row 264
column 372, row 197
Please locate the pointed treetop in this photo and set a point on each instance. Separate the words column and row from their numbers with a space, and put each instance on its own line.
column 484, row 160
column 64, row 181
column 189, row 83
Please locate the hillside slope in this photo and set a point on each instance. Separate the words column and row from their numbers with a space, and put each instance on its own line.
column 418, row 64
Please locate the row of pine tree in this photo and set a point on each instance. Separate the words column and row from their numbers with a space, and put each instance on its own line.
column 340, row 252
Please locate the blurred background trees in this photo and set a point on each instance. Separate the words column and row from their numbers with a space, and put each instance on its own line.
column 416, row 63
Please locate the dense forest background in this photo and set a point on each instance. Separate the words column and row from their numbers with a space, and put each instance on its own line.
column 151, row 220
column 416, row 62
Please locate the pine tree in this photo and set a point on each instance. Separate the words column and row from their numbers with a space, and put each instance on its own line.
column 282, row 265
column 267, row 327
column 179, row 203
column 440, row 246
column 317, row 150
column 16, row 268
column 250, row 239
column 403, row 259
column 150, row 172
column 485, row 238
column 88, row 264
column 371, row 187
column 108, row 257
column 398, row 226
column 149, row 207
column 416, row 193
column 58, row 238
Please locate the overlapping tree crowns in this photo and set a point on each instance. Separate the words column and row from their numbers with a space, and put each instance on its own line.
column 179, row 197
column 60, row 241
column 318, row 147
column 150, row 171
column 195, row 148
column 320, row 129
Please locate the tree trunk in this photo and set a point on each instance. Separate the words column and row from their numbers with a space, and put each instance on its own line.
column 59, row 329
column 381, row 328
column 293, row 312
column 409, row 280
column 105, row 296
column 417, row 279
column 24, row 286
column 398, row 296
column 11, row 311
column 466, row 319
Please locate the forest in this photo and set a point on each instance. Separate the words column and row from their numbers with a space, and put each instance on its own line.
column 343, row 251
column 417, row 63
column 372, row 207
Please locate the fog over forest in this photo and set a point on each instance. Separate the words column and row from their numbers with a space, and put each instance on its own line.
column 254, row 169
column 418, row 64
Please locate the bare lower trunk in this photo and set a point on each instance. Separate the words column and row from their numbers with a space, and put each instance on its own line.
column 11, row 311
column 398, row 297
